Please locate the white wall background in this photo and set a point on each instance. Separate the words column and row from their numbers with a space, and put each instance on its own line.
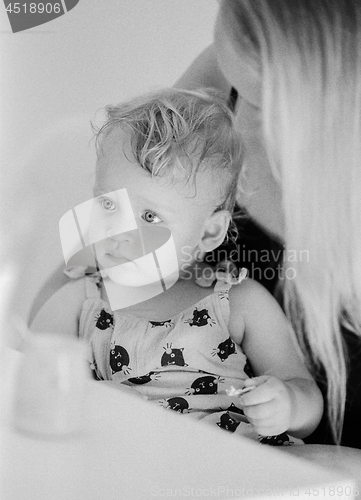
column 54, row 80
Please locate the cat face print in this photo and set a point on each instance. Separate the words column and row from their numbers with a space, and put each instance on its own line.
column 144, row 379
column 172, row 356
column 227, row 422
column 225, row 349
column 104, row 320
column 119, row 360
column 177, row 404
column 200, row 318
column 204, row 385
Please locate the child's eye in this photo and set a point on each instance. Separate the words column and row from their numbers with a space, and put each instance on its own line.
column 151, row 217
column 107, row 204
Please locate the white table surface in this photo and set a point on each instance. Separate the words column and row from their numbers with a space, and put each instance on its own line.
column 340, row 459
column 128, row 448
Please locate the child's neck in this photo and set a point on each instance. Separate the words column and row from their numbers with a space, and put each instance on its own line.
column 183, row 294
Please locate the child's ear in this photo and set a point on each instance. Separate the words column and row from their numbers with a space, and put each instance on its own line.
column 215, row 230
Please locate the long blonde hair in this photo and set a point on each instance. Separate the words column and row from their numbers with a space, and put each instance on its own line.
column 309, row 56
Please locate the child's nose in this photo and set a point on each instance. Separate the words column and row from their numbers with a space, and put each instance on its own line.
column 128, row 236
column 111, row 233
column 131, row 239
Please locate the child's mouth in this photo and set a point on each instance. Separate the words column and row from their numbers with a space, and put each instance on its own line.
column 115, row 260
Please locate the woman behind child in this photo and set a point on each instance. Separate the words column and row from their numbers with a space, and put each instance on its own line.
column 166, row 173
column 296, row 65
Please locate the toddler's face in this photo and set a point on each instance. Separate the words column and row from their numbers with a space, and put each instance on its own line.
column 134, row 214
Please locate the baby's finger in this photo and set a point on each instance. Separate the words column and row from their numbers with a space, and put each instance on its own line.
column 270, row 430
column 261, row 411
column 259, row 395
column 255, row 381
column 267, row 425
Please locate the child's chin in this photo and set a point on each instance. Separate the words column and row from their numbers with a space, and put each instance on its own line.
column 133, row 280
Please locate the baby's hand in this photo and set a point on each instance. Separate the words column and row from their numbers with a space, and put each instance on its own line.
column 268, row 406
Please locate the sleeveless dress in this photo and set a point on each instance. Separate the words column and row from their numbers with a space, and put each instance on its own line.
column 185, row 363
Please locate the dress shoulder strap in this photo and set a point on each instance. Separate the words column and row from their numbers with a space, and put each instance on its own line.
column 226, row 280
column 225, row 275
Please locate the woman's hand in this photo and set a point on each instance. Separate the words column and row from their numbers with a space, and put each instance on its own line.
column 268, row 406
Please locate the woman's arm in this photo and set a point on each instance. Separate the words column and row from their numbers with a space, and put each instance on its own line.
column 205, row 72
column 285, row 397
